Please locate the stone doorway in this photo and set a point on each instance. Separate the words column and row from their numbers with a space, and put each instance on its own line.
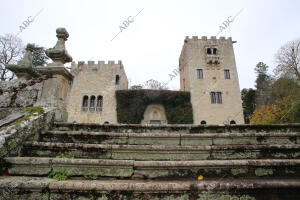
column 155, row 114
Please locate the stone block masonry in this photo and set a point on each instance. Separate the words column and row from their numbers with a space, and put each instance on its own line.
column 97, row 83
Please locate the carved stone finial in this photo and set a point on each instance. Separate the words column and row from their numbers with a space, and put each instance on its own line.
column 58, row 53
column 24, row 68
column 26, row 61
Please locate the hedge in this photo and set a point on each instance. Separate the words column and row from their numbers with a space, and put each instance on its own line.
column 131, row 105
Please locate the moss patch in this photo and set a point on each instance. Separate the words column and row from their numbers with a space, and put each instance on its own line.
column 131, row 105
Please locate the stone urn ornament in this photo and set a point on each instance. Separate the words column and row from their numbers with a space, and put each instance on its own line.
column 24, row 69
column 58, row 53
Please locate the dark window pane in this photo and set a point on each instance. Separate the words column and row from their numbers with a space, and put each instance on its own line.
column 117, row 79
column 199, row 73
column 85, row 101
column 227, row 74
column 92, row 101
column 213, row 97
column 219, row 97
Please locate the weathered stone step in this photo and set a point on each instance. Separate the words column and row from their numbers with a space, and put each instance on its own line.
column 24, row 188
column 169, row 138
column 172, row 128
column 161, row 152
column 154, row 169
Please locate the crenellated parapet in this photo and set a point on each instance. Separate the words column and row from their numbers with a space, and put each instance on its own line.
column 205, row 38
column 93, row 66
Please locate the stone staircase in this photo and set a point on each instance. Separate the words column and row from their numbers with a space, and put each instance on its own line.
column 157, row 162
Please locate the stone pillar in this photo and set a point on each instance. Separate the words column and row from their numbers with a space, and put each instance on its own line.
column 55, row 89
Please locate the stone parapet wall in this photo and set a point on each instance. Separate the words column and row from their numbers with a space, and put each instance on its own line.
column 18, row 94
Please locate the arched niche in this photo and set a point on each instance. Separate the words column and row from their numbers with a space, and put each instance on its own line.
column 155, row 114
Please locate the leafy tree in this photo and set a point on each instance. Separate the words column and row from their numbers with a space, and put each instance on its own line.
column 136, row 87
column 248, row 98
column 290, row 109
column 286, row 94
column 11, row 48
column 39, row 57
column 288, row 59
column 155, row 85
column 284, row 87
column 263, row 85
column 266, row 114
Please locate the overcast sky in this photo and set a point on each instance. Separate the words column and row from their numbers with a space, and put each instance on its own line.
column 150, row 46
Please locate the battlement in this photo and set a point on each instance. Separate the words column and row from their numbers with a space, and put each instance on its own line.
column 92, row 65
column 204, row 38
column 101, row 63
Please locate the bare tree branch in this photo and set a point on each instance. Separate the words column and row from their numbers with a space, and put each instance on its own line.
column 288, row 60
column 11, row 50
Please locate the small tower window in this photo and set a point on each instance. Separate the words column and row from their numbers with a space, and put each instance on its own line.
column 92, row 103
column 216, row 97
column 203, row 122
column 99, row 103
column 226, row 73
column 117, row 79
column 85, row 102
column 199, row 73
column 232, row 122
column 214, row 51
column 208, row 50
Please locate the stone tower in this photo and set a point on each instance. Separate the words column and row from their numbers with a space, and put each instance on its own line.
column 208, row 71
column 92, row 96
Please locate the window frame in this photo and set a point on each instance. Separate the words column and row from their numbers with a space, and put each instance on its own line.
column 226, row 73
column 199, row 73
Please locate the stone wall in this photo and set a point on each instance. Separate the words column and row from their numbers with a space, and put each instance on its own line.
column 95, row 79
column 14, row 95
column 14, row 133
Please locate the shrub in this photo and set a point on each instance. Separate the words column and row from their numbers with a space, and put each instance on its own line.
column 131, row 105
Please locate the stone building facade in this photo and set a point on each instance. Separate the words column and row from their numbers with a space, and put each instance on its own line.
column 92, row 96
column 87, row 93
column 208, row 71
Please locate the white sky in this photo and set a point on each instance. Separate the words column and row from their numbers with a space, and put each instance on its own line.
column 150, row 46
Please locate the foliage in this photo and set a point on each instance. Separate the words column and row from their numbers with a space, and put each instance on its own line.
column 266, row 114
column 131, row 105
column 64, row 156
column 39, row 58
column 155, row 85
column 248, row 98
column 59, row 175
column 11, row 48
column 284, row 87
column 136, row 87
column 33, row 111
column 263, row 85
column 290, row 109
column 38, row 110
column 288, row 59
column 91, row 176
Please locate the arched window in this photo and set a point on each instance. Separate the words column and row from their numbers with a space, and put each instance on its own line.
column 117, row 79
column 85, row 103
column 203, row 122
column 232, row 122
column 99, row 103
column 215, row 51
column 208, row 51
column 92, row 103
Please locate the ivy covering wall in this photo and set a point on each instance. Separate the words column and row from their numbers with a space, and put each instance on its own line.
column 131, row 105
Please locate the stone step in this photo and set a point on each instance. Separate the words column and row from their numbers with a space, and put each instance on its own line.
column 174, row 128
column 169, row 138
column 31, row 166
column 34, row 188
column 161, row 152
